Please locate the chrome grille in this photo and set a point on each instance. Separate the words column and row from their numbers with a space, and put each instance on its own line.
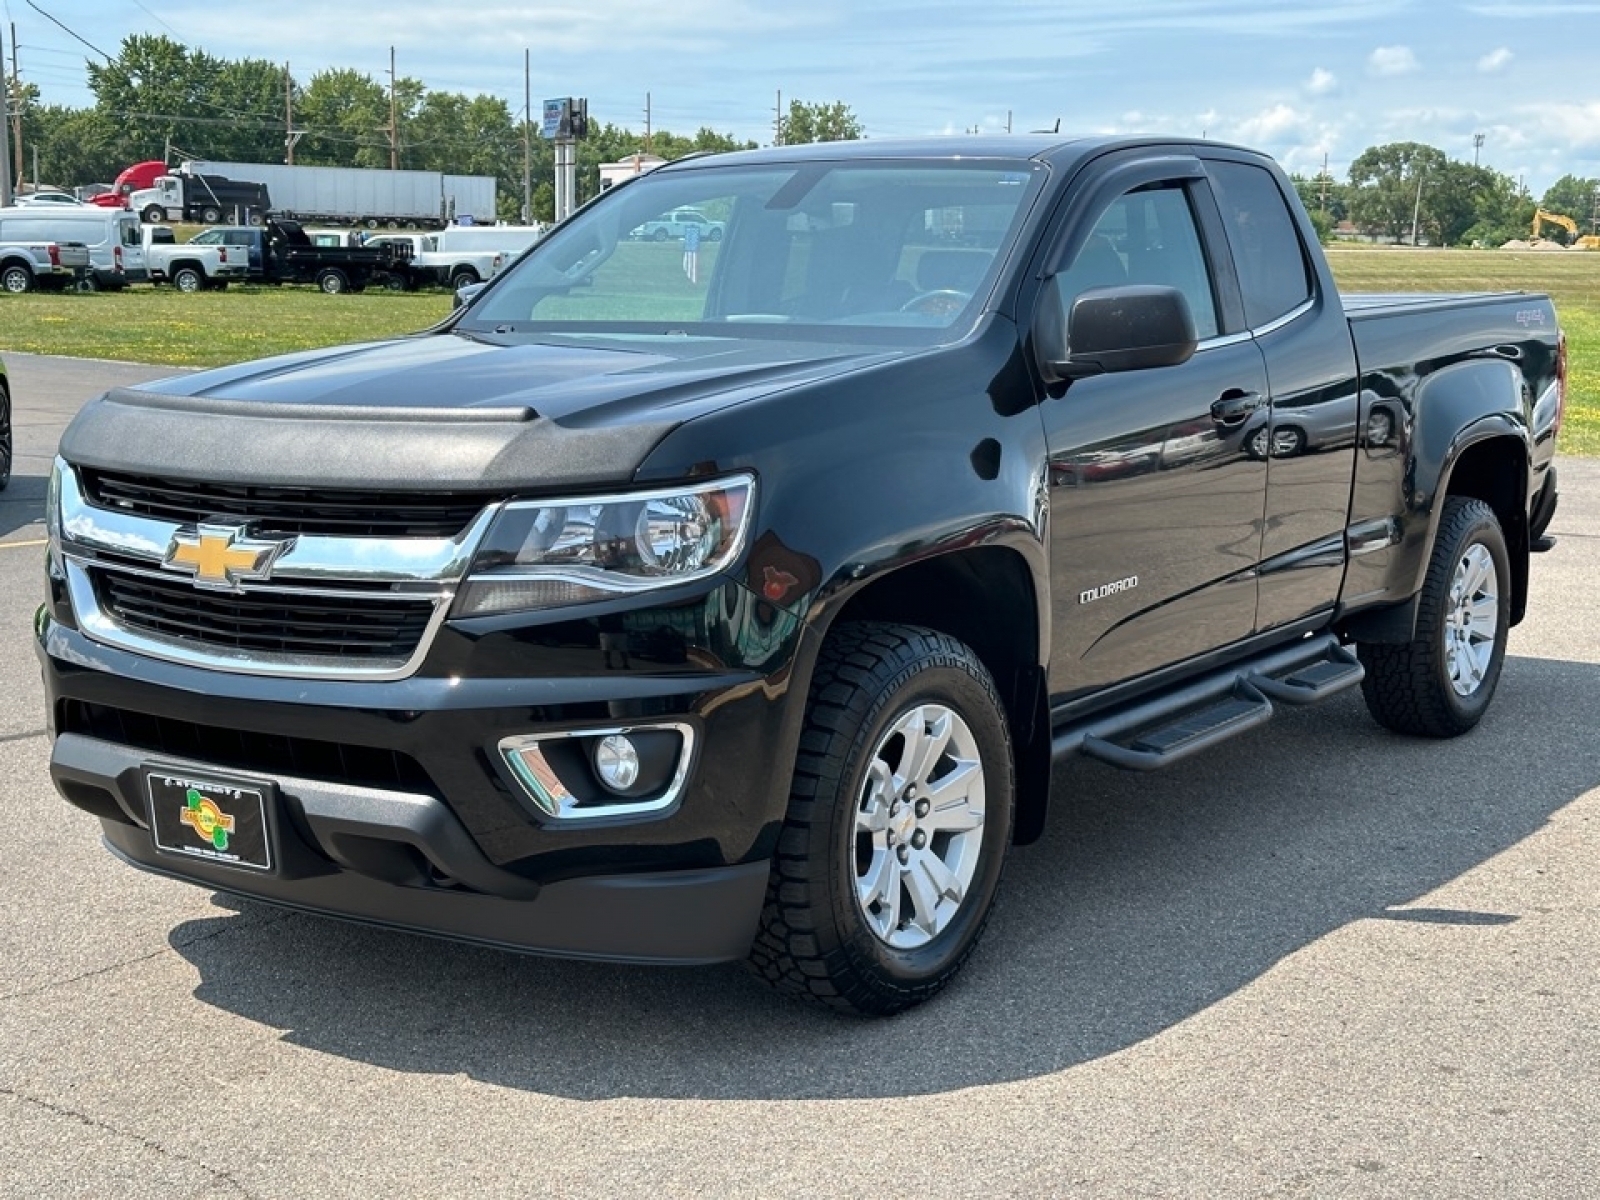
column 331, row 626
column 281, row 511
column 335, row 605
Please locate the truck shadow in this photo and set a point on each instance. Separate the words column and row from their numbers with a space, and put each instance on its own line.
column 1150, row 899
column 22, row 504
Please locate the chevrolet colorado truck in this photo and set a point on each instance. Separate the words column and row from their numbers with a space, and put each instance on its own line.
column 630, row 616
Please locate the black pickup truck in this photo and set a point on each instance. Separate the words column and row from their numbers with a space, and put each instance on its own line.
column 282, row 252
column 674, row 604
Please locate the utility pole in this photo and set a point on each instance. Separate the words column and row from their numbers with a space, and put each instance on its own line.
column 777, row 121
column 1416, row 211
column 15, row 94
column 1008, row 120
column 647, row 130
column 1477, row 144
column 394, row 122
column 290, row 137
column 527, row 136
column 5, row 133
column 1324, row 185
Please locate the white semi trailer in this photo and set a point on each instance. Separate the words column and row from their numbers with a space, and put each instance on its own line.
column 359, row 195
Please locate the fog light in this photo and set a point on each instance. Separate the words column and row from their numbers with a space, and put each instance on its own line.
column 616, row 762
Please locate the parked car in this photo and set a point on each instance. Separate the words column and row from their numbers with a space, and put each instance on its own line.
column 5, row 428
column 675, row 224
column 116, row 254
column 29, row 199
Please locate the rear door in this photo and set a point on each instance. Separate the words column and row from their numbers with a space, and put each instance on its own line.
column 1156, row 507
column 1309, row 445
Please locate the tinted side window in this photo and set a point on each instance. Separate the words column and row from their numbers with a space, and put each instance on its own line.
column 1266, row 245
column 1146, row 236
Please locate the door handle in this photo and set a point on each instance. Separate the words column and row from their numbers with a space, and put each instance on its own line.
column 1234, row 406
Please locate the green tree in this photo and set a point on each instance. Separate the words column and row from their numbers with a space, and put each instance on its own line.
column 1385, row 182
column 1322, row 193
column 346, row 118
column 818, row 123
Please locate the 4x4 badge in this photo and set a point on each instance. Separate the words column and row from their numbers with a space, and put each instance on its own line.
column 220, row 556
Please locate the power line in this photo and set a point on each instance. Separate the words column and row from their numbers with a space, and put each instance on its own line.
column 70, row 33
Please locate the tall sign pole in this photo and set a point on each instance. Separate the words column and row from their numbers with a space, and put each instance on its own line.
column 566, row 122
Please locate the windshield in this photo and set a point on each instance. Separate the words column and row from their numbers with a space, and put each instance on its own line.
column 855, row 246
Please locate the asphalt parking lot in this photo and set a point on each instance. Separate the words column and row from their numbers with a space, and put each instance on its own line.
column 1320, row 961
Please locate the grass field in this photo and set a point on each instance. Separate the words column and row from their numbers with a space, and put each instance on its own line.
column 210, row 328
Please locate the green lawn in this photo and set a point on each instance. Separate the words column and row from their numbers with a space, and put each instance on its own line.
column 211, row 328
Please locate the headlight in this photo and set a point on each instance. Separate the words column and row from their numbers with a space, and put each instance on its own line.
column 550, row 553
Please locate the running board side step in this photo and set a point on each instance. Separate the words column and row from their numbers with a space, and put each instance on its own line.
column 1167, row 728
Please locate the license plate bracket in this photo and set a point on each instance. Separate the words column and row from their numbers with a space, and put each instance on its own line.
column 213, row 817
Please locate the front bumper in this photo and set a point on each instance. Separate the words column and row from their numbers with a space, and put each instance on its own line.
column 389, row 802
column 329, row 833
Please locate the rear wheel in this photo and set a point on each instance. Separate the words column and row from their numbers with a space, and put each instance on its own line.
column 1440, row 683
column 333, row 281
column 16, row 279
column 187, row 279
column 210, row 215
column 898, row 825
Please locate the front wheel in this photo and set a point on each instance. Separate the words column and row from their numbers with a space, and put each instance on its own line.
column 210, row 215
column 1440, row 683
column 333, row 281
column 899, row 820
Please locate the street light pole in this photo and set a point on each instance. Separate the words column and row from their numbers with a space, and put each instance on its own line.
column 1416, row 211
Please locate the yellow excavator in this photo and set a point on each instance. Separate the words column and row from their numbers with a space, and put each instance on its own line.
column 1540, row 216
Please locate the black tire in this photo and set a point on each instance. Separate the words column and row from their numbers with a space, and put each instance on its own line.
column 210, row 215
column 89, row 283
column 188, row 279
column 16, row 279
column 333, row 281
column 817, row 937
column 660, row 235
column 154, row 214
column 1409, row 688
column 465, row 277
column 5, row 436
column 714, row 235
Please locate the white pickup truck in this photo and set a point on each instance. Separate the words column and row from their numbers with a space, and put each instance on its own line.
column 449, row 268
column 25, row 266
column 191, row 267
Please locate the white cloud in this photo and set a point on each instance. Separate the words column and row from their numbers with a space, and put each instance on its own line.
column 1270, row 126
column 1321, row 82
column 1495, row 60
column 1392, row 60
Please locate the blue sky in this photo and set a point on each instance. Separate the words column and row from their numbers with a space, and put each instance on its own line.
column 1299, row 81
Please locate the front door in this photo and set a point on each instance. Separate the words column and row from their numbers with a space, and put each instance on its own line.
column 1156, row 504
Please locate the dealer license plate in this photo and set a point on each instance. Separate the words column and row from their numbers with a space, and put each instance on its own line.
column 220, row 820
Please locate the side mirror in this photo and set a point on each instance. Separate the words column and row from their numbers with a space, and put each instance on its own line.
column 1127, row 328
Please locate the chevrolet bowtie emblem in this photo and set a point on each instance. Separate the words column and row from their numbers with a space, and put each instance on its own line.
column 221, row 556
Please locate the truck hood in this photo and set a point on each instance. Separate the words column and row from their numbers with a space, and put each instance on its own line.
column 440, row 411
